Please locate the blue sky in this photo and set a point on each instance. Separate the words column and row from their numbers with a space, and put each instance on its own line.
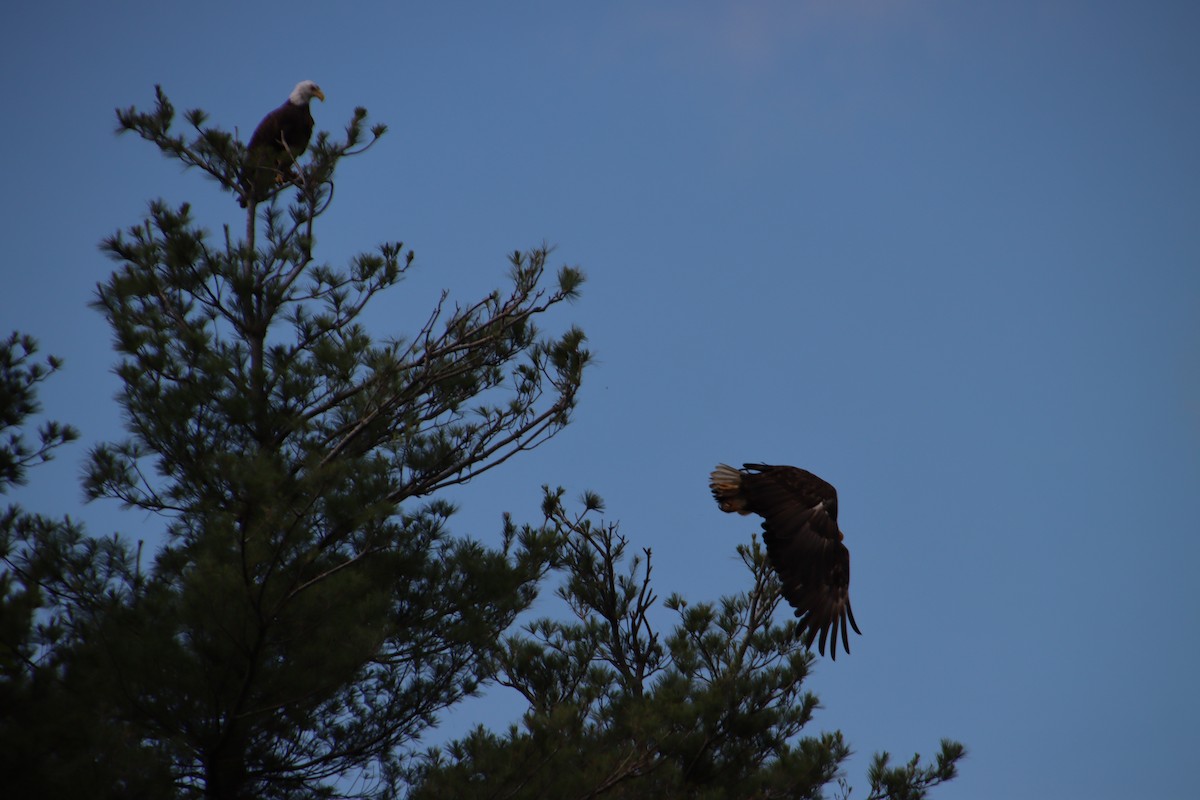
column 946, row 255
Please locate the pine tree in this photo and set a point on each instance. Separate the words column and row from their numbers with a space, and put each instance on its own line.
column 55, row 740
column 311, row 613
column 713, row 708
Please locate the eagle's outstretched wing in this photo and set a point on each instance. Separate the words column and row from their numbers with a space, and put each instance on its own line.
column 804, row 544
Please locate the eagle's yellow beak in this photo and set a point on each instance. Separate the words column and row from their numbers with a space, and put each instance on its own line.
column 320, row 94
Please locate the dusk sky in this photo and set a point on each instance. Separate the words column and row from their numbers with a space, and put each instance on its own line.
column 944, row 254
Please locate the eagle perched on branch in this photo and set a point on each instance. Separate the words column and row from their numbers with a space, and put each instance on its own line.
column 277, row 143
column 804, row 544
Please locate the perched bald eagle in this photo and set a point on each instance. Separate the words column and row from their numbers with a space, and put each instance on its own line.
column 804, row 544
column 277, row 143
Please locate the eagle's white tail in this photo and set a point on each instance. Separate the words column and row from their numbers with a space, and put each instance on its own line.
column 726, row 485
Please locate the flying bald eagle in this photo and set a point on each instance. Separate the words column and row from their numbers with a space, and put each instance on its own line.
column 804, row 544
column 276, row 144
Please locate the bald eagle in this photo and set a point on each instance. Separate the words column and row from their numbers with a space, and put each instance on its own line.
column 276, row 144
column 804, row 544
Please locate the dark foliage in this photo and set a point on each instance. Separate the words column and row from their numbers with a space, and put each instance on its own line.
column 310, row 613
column 713, row 707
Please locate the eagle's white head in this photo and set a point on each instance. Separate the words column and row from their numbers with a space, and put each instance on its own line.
column 305, row 91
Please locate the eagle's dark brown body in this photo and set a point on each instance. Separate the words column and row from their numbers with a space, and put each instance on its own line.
column 276, row 144
column 804, row 544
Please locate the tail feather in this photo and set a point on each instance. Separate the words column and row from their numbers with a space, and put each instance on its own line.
column 726, row 485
